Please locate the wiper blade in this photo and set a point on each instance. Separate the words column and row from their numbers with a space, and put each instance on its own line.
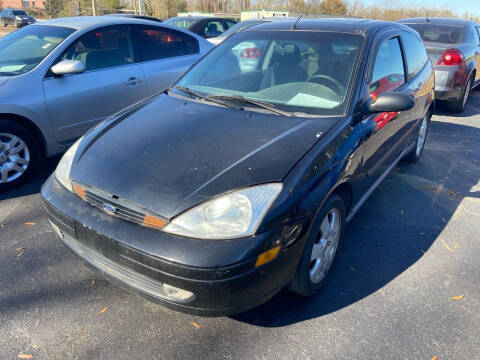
column 203, row 97
column 261, row 104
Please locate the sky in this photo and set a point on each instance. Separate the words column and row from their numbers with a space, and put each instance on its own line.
column 459, row 6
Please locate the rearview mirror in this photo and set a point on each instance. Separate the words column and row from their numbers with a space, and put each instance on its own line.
column 66, row 67
column 391, row 102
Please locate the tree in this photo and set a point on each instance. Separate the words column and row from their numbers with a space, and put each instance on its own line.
column 53, row 8
column 333, row 7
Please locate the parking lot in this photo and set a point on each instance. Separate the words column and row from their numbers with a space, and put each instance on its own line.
column 405, row 286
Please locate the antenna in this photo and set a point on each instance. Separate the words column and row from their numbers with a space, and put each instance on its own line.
column 294, row 26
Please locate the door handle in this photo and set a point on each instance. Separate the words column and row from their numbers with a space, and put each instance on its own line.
column 132, row 81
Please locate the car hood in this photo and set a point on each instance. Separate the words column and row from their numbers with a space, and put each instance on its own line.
column 169, row 154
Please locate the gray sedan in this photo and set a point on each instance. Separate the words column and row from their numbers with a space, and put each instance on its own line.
column 453, row 46
column 58, row 78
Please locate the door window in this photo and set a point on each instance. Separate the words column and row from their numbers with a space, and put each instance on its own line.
column 388, row 71
column 159, row 43
column 476, row 37
column 415, row 53
column 230, row 23
column 102, row 48
column 214, row 28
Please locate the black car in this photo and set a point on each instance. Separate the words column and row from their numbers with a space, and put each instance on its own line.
column 453, row 46
column 136, row 16
column 233, row 185
column 15, row 17
column 206, row 27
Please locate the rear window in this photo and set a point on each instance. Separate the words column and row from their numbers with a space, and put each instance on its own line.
column 446, row 34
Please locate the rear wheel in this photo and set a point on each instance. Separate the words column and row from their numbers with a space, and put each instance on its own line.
column 321, row 249
column 417, row 151
column 460, row 105
column 4, row 23
column 19, row 154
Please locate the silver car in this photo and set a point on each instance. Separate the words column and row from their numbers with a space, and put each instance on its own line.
column 453, row 46
column 60, row 77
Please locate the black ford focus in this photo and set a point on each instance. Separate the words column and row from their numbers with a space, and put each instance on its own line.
column 238, row 182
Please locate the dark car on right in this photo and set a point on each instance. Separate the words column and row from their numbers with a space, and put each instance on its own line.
column 453, row 46
column 206, row 27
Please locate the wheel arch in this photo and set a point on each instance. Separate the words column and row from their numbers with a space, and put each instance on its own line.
column 30, row 126
column 345, row 191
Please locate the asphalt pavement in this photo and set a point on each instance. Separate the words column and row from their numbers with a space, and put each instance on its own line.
column 406, row 286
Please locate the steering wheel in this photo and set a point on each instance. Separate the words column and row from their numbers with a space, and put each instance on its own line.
column 322, row 79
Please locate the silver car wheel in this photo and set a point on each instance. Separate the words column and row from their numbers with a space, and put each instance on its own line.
column 325, row 247
column 14, row 157
column 422, row 135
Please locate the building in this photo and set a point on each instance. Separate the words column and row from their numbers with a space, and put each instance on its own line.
column 23, row 4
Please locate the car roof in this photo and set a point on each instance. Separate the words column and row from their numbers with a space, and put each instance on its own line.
column 82, row 22
column 334, row 24
column 435, row 20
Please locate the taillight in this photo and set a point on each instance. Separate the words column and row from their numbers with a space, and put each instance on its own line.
column 251, row 53
column 451, row 57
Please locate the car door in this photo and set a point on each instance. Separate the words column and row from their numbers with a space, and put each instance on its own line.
column 165, row 54
column 112, row 81
column 477, row 52
column 386, row 131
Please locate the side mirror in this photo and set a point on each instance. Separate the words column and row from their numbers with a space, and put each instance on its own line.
column 66, row 67
column 391, row 102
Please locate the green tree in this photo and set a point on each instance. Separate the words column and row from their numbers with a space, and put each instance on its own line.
column 53, row 8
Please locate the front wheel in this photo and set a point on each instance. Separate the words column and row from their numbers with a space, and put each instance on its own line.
column 19, row 154
column 321, row 248
column 416, row 152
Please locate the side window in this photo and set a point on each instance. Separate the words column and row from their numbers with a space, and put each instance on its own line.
column 214, row 28
column 159, row 43
column 388, row 72
column 415, row 53
column 230, row 23
column 476, row 38
column 102, row 48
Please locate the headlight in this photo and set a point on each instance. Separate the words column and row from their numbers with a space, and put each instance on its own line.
column 233, row 215
column 62, row 173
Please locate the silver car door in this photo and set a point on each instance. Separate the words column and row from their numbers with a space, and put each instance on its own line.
column 112, row 81
column 165, row 55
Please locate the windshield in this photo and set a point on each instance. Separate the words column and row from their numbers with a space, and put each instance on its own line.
column 445, row 34
column 24, row 49
column 19, row 12
column 241, row 26
column 296, row 71
column 179, row 22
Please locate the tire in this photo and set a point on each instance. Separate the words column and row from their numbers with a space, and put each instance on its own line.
column 310, row 276
column 459, row 106
column 25, row 157
column 4, row 23
column 415, row 154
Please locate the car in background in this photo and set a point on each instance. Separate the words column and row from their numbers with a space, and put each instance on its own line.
column 236, row 28
column 214, row 196
column 453, row 46
column 136, row 16
column 15, row 17
column 206, row 27
column 60, row 77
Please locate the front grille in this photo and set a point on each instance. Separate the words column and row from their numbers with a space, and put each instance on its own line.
column 117, row 207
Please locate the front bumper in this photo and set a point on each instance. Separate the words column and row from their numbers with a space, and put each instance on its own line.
column 220, row 274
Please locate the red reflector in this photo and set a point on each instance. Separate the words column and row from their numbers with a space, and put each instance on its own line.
column 451, row 57
column 251, row 53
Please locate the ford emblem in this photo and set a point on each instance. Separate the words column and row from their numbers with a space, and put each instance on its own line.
column 109, row 209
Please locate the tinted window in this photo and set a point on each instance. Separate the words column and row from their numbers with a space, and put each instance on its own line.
column 179, row 22
column 160, row 43
column 415, row 52
column 388, row 71
column 102, row 48
column 230, row 23
column 214, row 28
column 476, row 39
column 19, row 12
column 22, row 50
column 446, row 34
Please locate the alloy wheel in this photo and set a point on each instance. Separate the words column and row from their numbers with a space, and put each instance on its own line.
column 14, row 157
column 422, row 135
column 325, row 246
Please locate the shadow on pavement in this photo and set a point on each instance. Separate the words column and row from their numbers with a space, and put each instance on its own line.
column 393, row 230
column 473, row 106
